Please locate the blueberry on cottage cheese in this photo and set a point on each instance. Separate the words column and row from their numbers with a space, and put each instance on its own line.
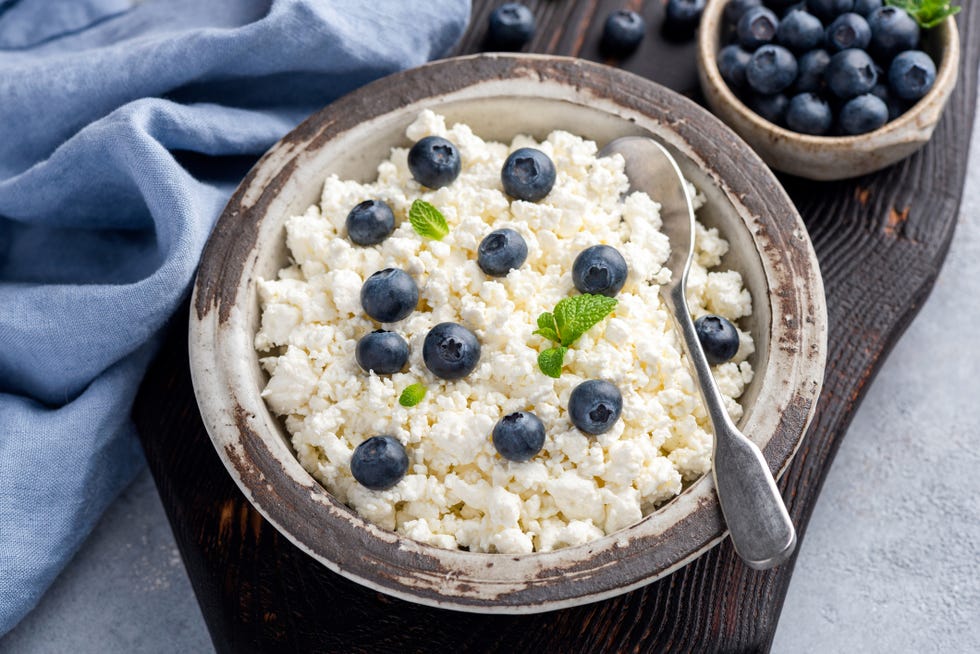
column 756, row 27
column 450, row 351
column 771, row 107
column 810, row 70
column 911, row 74
column 501, row 251
column 594, row 406
column 379, row 463
column 735, row 9
column 771, row 69
column 599, row 270
column 808, row 113
column 732, row 60
column 370, row 222
column 511, row 26
column 848, row 31
column 892, row 31
column 382, row 352
column 434, row 162
column 800, row 31
column 851, row 73
column 518, row 436
column 718, row 337
column 681, row 19
column 528, row 174
column 622, row 32
column 862, row 114
column 828, row 10
column 389, row 295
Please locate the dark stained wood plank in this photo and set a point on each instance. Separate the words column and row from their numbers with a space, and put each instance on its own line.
column 881, row 240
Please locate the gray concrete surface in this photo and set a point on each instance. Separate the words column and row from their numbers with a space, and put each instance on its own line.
column 126, row 591
column 890, row 562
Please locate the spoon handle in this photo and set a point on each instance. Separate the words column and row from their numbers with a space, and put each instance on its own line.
column 760, row 526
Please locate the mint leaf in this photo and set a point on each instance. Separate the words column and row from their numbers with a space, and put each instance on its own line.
column 573, row 317
column 427, row 221
column 412, row 395
column 548, row 333
column 547, row 321
column 547, row 327
column 578, row 314
column 927, row 13
column 551, row 360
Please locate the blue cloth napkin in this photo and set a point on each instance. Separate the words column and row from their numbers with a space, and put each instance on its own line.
column 124, row 127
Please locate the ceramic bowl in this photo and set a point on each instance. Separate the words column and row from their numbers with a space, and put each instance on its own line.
column 829, row 157
column 500, row 96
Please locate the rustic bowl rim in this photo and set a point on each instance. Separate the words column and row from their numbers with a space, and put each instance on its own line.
column 236, row 417
column 893, row 131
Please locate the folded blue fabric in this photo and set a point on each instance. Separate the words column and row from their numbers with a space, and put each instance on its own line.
column 124, row 127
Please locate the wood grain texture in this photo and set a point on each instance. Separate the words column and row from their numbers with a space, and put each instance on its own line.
column 881, row 240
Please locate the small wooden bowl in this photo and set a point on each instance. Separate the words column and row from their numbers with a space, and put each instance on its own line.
column 501, row 96
column 829, row 157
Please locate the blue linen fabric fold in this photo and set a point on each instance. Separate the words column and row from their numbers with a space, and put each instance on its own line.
column 124, row 127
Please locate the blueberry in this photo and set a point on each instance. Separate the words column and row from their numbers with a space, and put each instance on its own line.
column 528, row 174
column 896, row 106
column 783, row 7
column 599, row 270
column 799, row 6
column 911, row 74
column 848, row 31
column 732, row 60
column 862, row 114
column 622, row 33
column 370, row 222
column 518, row 436
column 379, row 463
column 851, row 73
column 382, row 352
column 389, row 295
column 771, row 69
column 770, row 107
column 501, row 251
column 719, row 338
column 811, row 68
column 866, row 7
column 799, row 31
column 511, row 27
column 681, row 19
column 450, row 351
column 434, row 162
column 892, row 31
column 756, row 27
column 594, row 406
column 735, row 9
column 808, row 113
column 828, row 10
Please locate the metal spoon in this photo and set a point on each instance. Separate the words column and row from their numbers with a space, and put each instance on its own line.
column 761, row 530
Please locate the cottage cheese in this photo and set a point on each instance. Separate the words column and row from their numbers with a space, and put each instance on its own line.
column 459, row 493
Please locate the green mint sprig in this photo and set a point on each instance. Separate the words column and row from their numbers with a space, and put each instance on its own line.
column 412, row 395
column 927, row 13
column 427, row 221
column 572, row 317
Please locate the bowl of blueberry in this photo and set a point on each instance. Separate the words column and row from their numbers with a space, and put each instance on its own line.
column 829, row 89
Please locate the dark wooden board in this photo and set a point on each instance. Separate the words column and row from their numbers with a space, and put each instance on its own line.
column 881, row 241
